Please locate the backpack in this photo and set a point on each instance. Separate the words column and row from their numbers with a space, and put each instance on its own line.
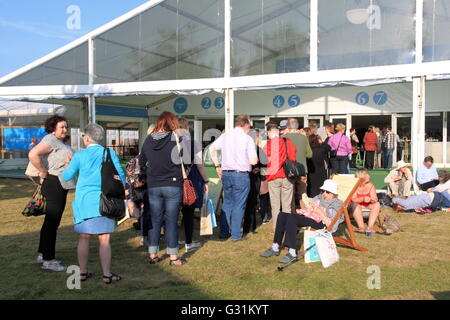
column 391, row 225
column 136, row 176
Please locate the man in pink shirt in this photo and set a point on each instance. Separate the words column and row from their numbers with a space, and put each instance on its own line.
column 238, row 157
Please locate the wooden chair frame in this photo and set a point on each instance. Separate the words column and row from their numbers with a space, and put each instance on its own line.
column 344, row 210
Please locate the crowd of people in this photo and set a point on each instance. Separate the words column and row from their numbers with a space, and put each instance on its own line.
column 253, row 175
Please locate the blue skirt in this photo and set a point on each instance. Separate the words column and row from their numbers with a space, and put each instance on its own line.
column 98, row 225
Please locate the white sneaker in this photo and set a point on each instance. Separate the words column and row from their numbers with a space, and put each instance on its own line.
column 40, row 259
column 193, row 246
column 53, row 265
column 181, row 243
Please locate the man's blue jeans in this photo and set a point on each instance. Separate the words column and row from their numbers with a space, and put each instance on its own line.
column 388, row 158
column 236, row 187
column 165, row 205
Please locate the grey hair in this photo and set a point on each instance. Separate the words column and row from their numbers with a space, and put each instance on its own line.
column 95, row 132
column 293, row 124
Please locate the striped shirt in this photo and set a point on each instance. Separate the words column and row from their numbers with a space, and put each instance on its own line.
column 390, row 140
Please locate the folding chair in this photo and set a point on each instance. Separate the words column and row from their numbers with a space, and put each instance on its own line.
column 347, row 186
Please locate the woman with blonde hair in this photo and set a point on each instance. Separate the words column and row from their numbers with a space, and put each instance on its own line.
column 365, row 198
column 341, row 148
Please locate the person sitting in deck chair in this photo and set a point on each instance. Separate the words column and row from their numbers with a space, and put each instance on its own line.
column 288, row 223
column 365, row 198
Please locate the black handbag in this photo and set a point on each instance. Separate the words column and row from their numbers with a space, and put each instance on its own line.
column 112, row 198
column 293, row 169
column 333, row 153
column 113, row 208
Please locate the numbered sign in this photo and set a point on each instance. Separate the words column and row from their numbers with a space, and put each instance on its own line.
column 294, row 101
column 219, row 103
column 206, row 103
column 278, row 102
column 380, row 98
column 362, row 98
column 180, row 105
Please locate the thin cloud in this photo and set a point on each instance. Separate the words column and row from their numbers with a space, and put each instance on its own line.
column 40, row 30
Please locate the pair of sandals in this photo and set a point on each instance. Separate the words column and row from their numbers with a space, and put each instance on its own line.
column 177, row 262
column 367, row 232
column 106, row 279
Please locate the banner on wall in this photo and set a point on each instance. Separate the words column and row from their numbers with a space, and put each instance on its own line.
column 19, row 139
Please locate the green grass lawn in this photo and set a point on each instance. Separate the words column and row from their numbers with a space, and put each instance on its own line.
column 414, row 264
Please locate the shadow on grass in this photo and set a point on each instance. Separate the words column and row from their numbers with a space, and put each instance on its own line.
column 15, row 189
column 23, row 280
column 441, row 295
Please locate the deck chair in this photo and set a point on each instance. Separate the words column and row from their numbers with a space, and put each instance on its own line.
column 347, row 186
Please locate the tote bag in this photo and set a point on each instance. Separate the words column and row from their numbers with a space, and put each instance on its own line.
column 206, row 226
column 112, row 204
column 37, row 205
column 327, row 249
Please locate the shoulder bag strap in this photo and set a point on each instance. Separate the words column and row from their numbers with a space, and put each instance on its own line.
column 337, row 149
column 287, row 150
column 181, row 159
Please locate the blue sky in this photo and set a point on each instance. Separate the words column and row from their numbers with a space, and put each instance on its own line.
column 30, row 29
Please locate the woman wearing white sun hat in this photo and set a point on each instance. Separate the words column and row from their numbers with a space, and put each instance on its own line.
column 288, row 224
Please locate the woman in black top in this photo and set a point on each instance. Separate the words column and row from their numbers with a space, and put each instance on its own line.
column 164, row 181
column 318, row 165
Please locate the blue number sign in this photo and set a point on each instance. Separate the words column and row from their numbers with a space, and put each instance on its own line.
column 278, row 102
column 206, row 103
column 294, row 101
column 362, row 98
column 380, row 98
column 219, row 103
column 180, row 105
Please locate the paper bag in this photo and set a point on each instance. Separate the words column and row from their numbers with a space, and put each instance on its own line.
column 206, row 227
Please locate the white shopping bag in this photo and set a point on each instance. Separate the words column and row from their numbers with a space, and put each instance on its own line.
column 327, row 249
column 206, row 226
column 312, row 255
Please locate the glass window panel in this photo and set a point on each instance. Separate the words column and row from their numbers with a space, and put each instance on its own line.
column 433, row 136
column 173, row 40
column 436, row 21
column 70, row 68
column 364, row 33
column 270, row 36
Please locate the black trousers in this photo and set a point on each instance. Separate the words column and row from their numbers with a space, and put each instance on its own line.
column 339, row 164
column 56, row 202
column 264, row 207
column 252, row 202
column 429, row 185
column 287, row 226
column 188, row 222
column 370, row 158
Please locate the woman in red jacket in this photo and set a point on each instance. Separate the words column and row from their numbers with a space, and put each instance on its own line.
column 281, row 190
column 370, row 145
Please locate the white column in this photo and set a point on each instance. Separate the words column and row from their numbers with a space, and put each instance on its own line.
column 314, row 35
column 395, row 130
column 444, row 140
column 92, row 109
column 198, row 131
column 418, row 122
column 143, row 128
column 227, row 45
column 229, row 109
column 419, row 31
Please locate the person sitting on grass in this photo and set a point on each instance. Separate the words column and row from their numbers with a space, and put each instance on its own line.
column 427, row 176
column 400, row 181
column 437, row 197
column 288, row 223
column 365, row 198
